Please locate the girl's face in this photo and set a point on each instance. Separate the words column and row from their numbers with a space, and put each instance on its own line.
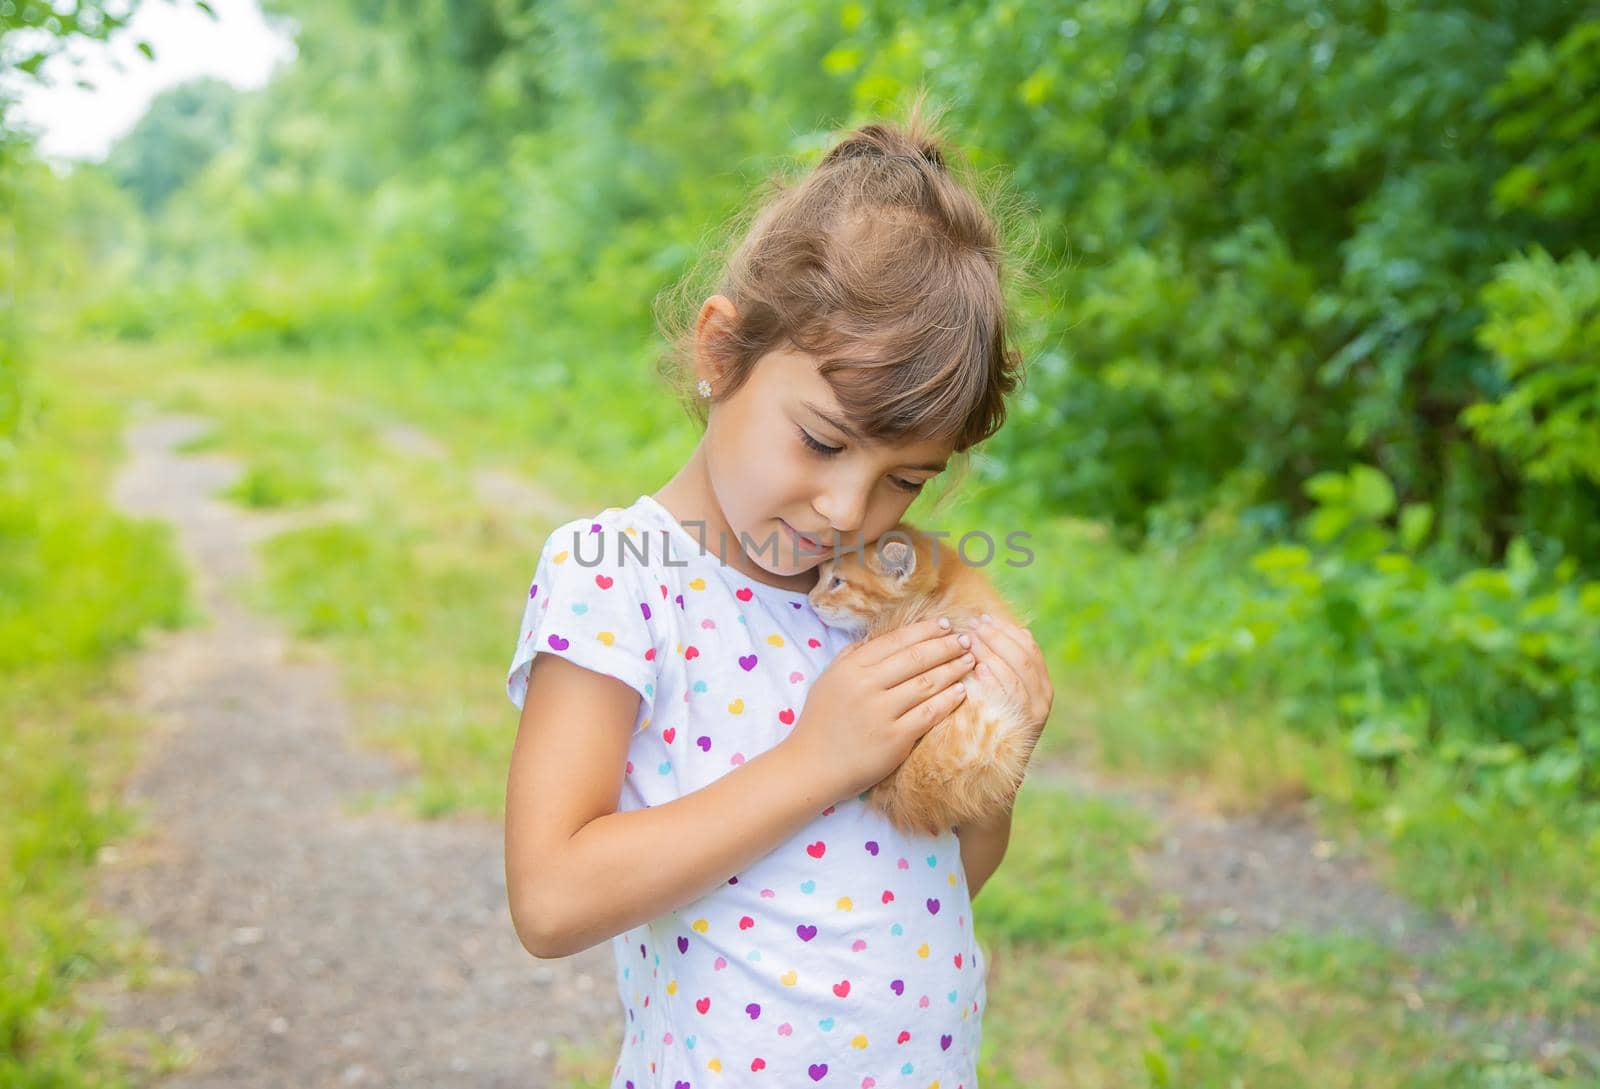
column 782, row 460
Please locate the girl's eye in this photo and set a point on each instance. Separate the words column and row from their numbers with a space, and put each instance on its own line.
column 828, row 451
column 825, row 451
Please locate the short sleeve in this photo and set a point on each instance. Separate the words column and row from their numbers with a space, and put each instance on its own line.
column 585, row 606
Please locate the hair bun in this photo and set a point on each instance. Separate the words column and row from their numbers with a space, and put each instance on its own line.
column 878, row 141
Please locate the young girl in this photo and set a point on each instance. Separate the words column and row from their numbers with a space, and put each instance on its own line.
column 695, row 743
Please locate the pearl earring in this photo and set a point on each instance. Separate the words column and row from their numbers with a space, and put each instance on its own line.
column 704, row 387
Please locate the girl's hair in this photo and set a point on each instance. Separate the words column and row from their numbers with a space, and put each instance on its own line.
column 883, row 264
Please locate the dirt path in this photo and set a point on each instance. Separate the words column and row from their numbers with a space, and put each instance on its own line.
column 1239, row 878
column 308, row 947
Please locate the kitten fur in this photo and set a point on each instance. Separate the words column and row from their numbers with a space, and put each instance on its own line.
column 969, row 767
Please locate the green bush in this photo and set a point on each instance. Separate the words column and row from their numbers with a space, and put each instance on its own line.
column 1495, row 671
column 1544, row 330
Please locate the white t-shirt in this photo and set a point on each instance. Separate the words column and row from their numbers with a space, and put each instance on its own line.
column 844, row 958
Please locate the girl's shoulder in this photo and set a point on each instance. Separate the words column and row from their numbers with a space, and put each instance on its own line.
column 591, row 600
column 643, row 548
column 611, row 540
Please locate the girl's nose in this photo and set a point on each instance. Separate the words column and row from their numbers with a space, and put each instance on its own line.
column 843, row 513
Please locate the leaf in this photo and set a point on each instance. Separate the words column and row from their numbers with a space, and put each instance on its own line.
column 1557, row 769
column 1155, row 1065
column 147, row 49
column 1036, row 88
column 1494, row 756
column 841, row 60
column 1521, row 567
column 1393, row 563
column 1416, row 519
column 1364, row 542
column 1327, row 487
column 1281, row 558
column 1343, row 618
column 1589, row 598
column 1326, row 524
column 1380, row 739
column 1371, row 493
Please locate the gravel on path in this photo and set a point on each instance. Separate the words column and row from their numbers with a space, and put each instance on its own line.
column 304, row 946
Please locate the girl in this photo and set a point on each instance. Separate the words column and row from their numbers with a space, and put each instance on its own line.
column 695, row 743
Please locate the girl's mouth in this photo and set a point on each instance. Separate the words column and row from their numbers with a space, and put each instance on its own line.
column 802, row 542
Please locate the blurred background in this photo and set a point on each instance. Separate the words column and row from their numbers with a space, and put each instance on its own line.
column 1309, row 452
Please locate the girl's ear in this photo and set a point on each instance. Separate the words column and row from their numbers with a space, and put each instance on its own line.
column 712, row 329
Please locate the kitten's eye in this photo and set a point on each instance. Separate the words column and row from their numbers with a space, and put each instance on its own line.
column 836, row 583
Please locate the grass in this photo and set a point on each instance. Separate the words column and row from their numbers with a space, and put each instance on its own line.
column 270, row 485
column 78, row 587
column 418, row 598
column 1086, row 991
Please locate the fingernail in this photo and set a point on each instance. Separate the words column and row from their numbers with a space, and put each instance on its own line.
column 987, row 618
column 944, row 621
column 963, row 640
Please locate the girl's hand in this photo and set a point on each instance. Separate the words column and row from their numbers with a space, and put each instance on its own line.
column 872, row 703
column 1008, row 656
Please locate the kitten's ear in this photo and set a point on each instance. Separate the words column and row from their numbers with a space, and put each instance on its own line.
column 897, row 558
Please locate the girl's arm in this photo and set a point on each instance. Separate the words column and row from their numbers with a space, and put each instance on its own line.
column 578, row 871
column 982, row 848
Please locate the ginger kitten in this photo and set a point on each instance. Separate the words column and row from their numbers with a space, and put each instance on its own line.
column 968, row 767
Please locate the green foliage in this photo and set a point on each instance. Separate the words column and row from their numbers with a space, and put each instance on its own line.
column 31, row 34
column 78, row 586
column 1544, row 330
column 180, row 133
column 1276, row 229
column 1494, row 672
column 1056, row 889
column 1275, row 221
column 52, row 520
column 340, row 579
column 48, row 27
column 273, row 484
column 1549, row 119
column 12, row 336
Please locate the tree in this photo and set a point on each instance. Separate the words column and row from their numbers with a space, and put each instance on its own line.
column 182, row 131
